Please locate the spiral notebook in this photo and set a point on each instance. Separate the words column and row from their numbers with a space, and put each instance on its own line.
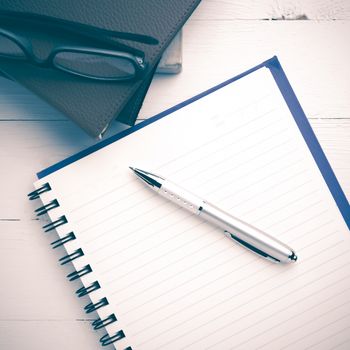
column 161, row 278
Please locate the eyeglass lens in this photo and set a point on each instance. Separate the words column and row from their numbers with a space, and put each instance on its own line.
column 9, row 48
column 93, row 65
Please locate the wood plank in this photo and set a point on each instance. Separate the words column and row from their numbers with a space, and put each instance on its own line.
column 30, row 263
column 273, row 10
column 49, row 334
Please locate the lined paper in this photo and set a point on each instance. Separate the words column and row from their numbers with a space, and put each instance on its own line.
column 175, row 281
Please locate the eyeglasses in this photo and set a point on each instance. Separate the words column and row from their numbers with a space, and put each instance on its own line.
column 88, row 62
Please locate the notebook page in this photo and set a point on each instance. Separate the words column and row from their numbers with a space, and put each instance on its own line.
column 176, row 282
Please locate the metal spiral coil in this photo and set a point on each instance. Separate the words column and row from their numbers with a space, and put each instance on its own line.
column 85, row 290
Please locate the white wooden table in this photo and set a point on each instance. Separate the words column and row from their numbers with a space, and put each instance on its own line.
column 38, row 308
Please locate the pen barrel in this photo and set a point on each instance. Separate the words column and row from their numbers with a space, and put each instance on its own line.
column 248, row 235
column 180, row 196
column 245, row 234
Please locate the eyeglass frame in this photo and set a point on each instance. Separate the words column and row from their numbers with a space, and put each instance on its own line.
column 26, row 46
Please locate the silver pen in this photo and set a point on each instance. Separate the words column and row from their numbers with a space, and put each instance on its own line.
column 248, row 236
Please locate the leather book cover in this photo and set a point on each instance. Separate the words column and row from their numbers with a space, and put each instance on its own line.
column 137, row 26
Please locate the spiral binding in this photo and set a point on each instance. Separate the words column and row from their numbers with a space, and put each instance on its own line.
column 36, row 194
column 45, row 208
column 85, row 290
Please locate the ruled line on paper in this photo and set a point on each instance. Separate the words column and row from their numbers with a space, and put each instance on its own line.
column 116, row 201
column 175, row 209
column 78, row 190
column 247, row 160
column 231, row 259
column 104, row 220
column 241, row 126
column 229, row 311
column 253, row 260
column 281, row 194
column 142, row 240
column 340, row 344
column 225, row 276
column 237, row 141
column 181, row 335
column 327, row 338
column 165, row 254
column 312, row 193
column 317, row 330
column 134, row 180
column 102, row 195
column 288, row 230
column 319, row 239
column 287, row 307
column 165, row 202
column 297, row 212
column 131, row 207
column 193, row 291
column 111, row 217
column 230, row 131
column 181, row 246
column 212, row 230
column 129, row 234
column 242, row 189
column 244, row 252
column 323, row 314
column 310, row 218
column 181, row 220
column 185, row 282
column 234, row 295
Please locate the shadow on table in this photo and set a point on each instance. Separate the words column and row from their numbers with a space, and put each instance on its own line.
column 19, row 105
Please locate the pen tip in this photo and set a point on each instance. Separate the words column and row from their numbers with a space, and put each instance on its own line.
column 293, row 257
column 130, row 167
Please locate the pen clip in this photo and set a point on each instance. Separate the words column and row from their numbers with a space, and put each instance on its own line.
column 252, row 248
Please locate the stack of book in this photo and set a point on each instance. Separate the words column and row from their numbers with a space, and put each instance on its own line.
column 133, row 36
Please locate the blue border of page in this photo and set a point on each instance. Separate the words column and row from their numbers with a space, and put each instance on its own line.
column 294, row 107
